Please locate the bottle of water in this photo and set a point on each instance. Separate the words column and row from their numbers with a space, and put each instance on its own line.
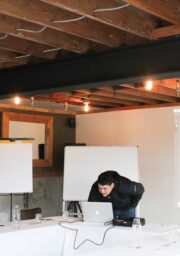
column 137, row 233
column 16, row 216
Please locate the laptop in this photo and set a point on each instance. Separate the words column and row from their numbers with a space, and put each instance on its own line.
column 97, row 212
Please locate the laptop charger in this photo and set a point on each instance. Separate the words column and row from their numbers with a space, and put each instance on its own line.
column 126, row 222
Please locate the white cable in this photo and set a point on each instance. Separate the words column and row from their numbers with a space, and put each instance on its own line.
column 3, row 37
column 112, row 9
column 52, row 50
column 31, row 31
column 23, row 56
column 2, row 61
column 70, row 20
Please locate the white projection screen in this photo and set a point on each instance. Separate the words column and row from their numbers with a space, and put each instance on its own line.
column 15, row 166
column 83, row 164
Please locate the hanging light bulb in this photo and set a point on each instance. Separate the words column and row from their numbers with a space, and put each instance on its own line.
column 17, row 100
column 32, row 101
column 65, row 106
column 178, row 87
column 86, row 106
column 149, row 85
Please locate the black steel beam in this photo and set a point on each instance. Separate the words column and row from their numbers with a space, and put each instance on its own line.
column 160, row 59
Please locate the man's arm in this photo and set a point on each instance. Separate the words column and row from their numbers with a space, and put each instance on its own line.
column 137, row 194
column 134, row 189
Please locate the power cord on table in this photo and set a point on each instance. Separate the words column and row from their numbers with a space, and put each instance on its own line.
column 87, row 239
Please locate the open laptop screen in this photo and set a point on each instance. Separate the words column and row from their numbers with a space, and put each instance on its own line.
column 97, row 212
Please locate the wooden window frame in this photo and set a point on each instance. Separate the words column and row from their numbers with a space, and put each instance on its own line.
column 47, row 120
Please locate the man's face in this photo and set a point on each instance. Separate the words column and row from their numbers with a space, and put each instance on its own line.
column 105, row 190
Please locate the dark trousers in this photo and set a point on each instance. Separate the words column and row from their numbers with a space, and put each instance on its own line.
column 125, row 213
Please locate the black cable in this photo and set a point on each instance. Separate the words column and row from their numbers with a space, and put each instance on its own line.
column 108, row 223
column 87, row 239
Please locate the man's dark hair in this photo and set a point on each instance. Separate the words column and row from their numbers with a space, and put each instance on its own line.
column 105, row 178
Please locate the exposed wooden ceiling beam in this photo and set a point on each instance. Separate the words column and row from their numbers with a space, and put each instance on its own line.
column 7, row 56
column 157, row 88
column 168, row 10
column 153, row 94
column 166, row 31
column 169, row 83
column 127, row 20
column 86, row 96
column 106, row 96
column 25, row 47
column 40, row 13
column 120, row 96
column 55, row 97
column 81, row 96
column 49, row 37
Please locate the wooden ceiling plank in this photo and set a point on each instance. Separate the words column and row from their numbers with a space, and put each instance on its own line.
column 49, row 37
column 107, row 100
column 23, row 46
column 60, row 97
column 90, row 97
column 127, row 20
column 118, row 95
column 106, row 96
column 150, row 94
column 121, row 88
column 11, row 57
column 147, row 96
column 166, row 31
column 80, row 96
column 168, row 10
column 157, row 88
column 40, row 13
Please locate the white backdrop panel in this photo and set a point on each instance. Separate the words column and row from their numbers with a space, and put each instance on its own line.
column 83, row 164
column 16, row 167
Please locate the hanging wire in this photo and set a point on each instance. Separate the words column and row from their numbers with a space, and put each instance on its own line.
column 23, row 56
column 31, row 31
column 52, row 50
column 112, row 9
column 4, row 36
column 70, row 20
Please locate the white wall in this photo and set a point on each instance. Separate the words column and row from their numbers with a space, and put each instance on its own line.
column 154, row 131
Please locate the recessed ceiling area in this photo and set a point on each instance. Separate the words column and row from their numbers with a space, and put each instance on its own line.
column 118, row 97
column 37, row 32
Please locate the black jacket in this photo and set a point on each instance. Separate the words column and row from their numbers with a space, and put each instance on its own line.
column 125, row 194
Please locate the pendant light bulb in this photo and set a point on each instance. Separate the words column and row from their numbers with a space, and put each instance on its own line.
column 149, row 85
column 17, row 100
column 86, row 106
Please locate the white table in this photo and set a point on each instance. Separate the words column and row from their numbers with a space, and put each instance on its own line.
column 152, row 245
column 49, row 239
column 32, row 239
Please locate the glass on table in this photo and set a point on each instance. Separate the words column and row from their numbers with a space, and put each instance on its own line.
column 137, row 233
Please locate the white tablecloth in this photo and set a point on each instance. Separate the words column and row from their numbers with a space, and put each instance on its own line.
column 49, row 239
column 32, row 239
column 152, row 245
